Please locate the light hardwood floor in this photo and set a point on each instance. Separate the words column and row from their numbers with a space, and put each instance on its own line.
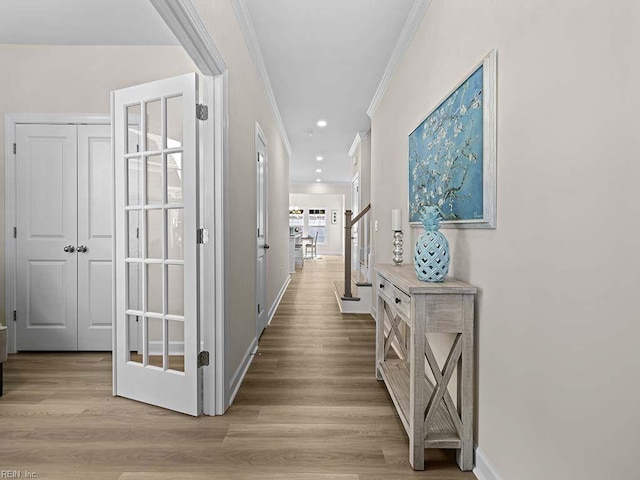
column 310, row 408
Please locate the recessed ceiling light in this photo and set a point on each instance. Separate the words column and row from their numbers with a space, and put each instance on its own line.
column 319, row 158
column 322, row 123
column 318, row 180
column 318, row 170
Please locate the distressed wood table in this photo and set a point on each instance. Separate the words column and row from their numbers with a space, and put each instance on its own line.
column 408, row 310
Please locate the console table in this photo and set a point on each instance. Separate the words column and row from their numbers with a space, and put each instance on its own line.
column 407, row 310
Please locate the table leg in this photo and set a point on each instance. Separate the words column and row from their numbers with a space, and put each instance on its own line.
column 416, row 392
column 464, row 456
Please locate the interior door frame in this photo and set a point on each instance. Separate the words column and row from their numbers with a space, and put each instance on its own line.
column 12, row 120
column 183, row 20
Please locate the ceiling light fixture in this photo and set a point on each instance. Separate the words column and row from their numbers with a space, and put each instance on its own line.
column 319, row 158
column 318, row 170
column 322, row 123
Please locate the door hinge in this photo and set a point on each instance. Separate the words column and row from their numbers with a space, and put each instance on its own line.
column 15, row 148
column 15, row 232
column 203, row 359
column 202, row 112
column 15, row 316
column 202, row 236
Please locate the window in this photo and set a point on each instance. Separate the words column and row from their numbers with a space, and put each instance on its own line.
column 296, row 220
column 318, row 224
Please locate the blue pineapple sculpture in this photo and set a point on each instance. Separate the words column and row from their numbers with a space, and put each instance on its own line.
column 431, row 256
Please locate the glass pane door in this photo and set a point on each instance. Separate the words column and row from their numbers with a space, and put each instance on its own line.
column 158, row 341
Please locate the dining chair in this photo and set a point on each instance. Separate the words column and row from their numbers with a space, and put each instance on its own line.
column 311, row 247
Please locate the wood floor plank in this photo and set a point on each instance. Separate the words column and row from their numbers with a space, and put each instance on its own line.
column 310, row 408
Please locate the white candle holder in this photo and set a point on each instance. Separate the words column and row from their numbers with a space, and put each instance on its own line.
column 397, row 247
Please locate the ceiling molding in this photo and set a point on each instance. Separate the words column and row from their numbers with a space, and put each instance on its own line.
column 356, row 142
column 416, row 14
column 246, row 25
column 183, row 20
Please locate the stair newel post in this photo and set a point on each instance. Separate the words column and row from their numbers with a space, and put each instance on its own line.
column 347, row 254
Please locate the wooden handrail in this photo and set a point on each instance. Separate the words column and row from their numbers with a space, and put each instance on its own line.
column 360, row 215
column 347, row 248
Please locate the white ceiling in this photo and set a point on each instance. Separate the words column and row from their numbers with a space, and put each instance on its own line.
column 325, row 59
column 82, row 22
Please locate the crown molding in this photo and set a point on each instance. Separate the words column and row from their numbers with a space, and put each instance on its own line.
column 246, row 25
column 356, row 142
column 417, row 13
column 183, row 20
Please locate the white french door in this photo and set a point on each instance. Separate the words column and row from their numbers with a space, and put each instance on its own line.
column 156, row 254
column 63, row 237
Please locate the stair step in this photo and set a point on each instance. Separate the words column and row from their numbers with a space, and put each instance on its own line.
column 359, row 302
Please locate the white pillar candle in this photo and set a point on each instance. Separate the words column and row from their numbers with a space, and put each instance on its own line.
column 396, row 220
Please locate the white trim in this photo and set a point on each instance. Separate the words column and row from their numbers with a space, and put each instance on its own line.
column 276, row 303
column 246, row 25
column 11, row 120
column 356, row 142
column 183, row 20
column 221, row 223
column 485, row 470
column 241, row 371
column 418, row 10
column 114, row 285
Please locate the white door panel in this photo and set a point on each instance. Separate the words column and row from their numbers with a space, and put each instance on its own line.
column 46, row 177
column 94, row 235
column 156, row 251
column 262, row 246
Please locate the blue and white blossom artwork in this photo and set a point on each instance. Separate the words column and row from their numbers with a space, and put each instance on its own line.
column 445, row 156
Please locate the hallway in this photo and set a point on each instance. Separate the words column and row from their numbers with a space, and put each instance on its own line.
column 309, row 408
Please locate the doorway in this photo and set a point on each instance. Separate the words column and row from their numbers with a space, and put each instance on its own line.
column 62, row 236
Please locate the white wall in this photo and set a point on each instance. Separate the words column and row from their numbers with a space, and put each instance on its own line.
column 334, row 233
column 73, row 79
column 557, row 322
column 248, row 105
column 362, row 166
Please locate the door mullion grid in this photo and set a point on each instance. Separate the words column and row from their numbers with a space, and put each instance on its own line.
column 165, row 228
column 143, row 231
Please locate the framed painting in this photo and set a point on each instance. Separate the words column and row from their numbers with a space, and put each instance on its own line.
column 452, row 154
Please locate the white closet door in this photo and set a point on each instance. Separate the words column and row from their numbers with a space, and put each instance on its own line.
column 156, row 251
column 46, row 175
column 95, row 206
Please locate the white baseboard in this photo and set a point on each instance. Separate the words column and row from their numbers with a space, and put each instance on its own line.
column 276, row 303
column 485, row 470
column 241, row 371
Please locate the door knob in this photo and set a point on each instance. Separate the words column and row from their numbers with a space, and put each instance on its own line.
column 69, row 249
column 266, row 246
column 82, row 249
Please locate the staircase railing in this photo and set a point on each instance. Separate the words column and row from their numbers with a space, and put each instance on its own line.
column 349, row 223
